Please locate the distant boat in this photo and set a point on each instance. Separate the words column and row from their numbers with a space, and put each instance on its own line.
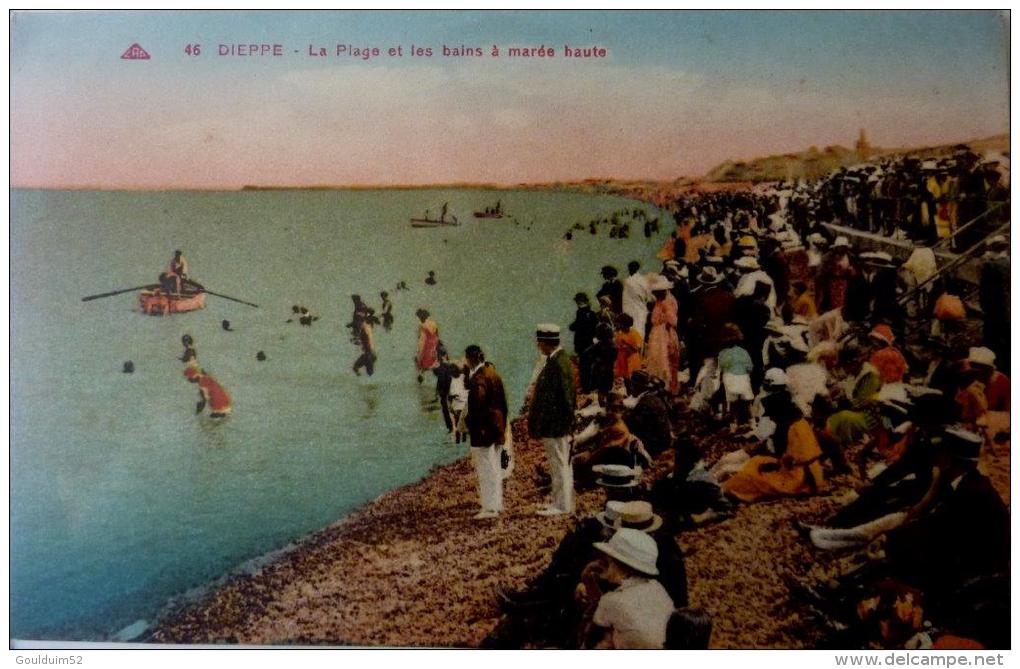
column 434, row 222
column 491, row 212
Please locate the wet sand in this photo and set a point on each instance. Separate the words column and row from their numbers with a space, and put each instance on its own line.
column 412, row 568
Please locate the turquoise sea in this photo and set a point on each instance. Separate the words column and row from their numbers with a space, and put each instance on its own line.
column 122, row 498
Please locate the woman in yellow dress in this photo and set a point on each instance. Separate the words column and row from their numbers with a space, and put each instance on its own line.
column 797, row 471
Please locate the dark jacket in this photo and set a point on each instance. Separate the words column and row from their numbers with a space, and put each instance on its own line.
column 614, row 289
column 551, row 413
column 965, row 535
column 583, row 328
column 486, row 409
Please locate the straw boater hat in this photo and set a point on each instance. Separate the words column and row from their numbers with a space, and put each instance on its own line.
column 633, row 548
column 877, row 259
column 617, row 476
column 747, row 242
column 633, row 515
column 548, row 332
column 817, row 239
column 979, row 355
column 841, row 242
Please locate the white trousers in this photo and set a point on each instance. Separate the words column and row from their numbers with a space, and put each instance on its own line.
column 486, row 460
column 830, row 539
column 557, row 452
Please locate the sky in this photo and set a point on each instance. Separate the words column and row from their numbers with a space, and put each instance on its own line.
column 676, row 94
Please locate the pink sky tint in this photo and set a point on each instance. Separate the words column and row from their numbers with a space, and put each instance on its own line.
column 467, row 122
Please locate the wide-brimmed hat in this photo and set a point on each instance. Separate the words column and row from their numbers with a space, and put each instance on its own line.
column 747, row 264
column 817, row 239
column 617, row 476
column 882, row 333
column 548, row 332
column 709, row 276
column 997, row 240
column 633, row 548
column 633, row 515
column 747, row 242
column 962, row 443
column 980, row 355
column 659, row 282
column 841, row 242
column 775, row 378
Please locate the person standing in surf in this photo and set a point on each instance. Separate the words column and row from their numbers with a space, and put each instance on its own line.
column 387, row 311
column 428, row 340
column 210, row 392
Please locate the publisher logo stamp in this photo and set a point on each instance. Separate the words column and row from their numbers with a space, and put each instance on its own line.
column 135, row 52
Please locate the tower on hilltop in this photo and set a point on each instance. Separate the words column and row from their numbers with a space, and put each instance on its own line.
column 862, row 146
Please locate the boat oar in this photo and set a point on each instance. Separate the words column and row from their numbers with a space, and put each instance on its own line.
column 115, row 292
column 226, row 297
column 234, row 299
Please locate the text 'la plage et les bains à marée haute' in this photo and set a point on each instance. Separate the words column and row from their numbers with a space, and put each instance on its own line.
column 343, row 50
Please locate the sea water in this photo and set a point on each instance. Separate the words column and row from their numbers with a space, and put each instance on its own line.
column 122, row 497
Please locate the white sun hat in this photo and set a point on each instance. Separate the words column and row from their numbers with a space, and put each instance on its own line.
column 633, row 548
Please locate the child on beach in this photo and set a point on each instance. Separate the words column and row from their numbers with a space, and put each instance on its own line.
column 458, row 399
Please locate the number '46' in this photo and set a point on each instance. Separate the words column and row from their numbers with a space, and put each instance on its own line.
column 193, row 49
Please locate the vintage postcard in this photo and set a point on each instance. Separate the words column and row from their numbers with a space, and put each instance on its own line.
column 510, row 329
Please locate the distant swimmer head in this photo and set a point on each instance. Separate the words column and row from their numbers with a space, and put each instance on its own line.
column 187, row 340
column 422, row 314
column 226, row 325
column 581, row 299
column 260, row 356
column 609, row 272
column 384, row 294
column 296, row 309
column 129, row 367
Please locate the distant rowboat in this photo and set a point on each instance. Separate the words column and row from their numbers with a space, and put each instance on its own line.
column 491, row 212
column 434, row 222
column 155, row 302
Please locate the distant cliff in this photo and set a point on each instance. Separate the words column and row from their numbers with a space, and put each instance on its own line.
column 815, row 163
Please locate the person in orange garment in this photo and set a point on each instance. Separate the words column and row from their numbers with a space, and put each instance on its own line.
column 982, row 361
column 797, row 470
column 628, row 347
column 210, row 392
column 887, row 359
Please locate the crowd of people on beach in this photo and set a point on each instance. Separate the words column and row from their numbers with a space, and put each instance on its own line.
column 805, row 360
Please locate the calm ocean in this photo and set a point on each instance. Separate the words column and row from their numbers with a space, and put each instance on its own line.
column 121, row 497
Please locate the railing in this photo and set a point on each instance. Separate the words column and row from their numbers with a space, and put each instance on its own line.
column 952, row 264
column 948, row 240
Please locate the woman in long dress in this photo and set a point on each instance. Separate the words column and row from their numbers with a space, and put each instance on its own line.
column 428, row 341
column 662, row 354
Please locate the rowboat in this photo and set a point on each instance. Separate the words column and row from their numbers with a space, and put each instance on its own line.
column 491, row 212
column 155, row 302
column 434, row 222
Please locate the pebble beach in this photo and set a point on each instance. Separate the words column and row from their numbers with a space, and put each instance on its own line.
column 413, row 569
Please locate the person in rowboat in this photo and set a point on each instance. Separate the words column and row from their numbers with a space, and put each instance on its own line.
column 178, row 270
